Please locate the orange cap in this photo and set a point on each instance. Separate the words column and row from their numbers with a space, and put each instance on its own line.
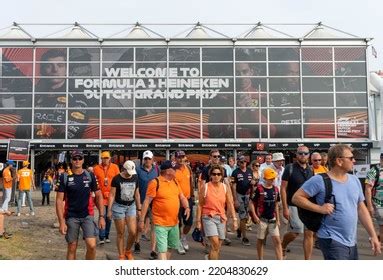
column 269, row 174
column 25, row 163
column 105, row 154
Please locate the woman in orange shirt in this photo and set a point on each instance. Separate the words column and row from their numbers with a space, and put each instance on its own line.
column 213, row 197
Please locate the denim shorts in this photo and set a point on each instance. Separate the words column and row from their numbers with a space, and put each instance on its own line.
column 87, row 225
column 213, row 226
column 121, row 211
column 243, row 206
column 167, row 237
column 334, row 250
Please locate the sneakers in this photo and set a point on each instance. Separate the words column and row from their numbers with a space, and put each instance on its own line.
column 227, row 242
column 6, row 235
column 181, row 249
column 129, row 255
column 239, row 233
column 107, row 240
column 206, row 257
column 245, row 241
column 137, row 248
column 144, row 237
column 32, row 213
column 153, row 255
column 101, row 242
column 18, row 214
column 185, row 243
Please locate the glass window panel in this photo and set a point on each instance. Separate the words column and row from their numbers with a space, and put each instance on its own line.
column 15, row 116
column 117, row 131
column 217, row 84
column 319, row 130
column 84, row 54
column 220, row 100
column 117, row 54
column 112, row 99
column 16, row 54
column 317, row 84
column 110, row 116
column 217, row 69
column 184, row 69
column 351, row 84
column 9, row 131
column 80, row 85
column 251, row 84
column 16, row 69
column 117, row 69
column 350, row 69
column 151, row 54
column 251, row 116
column 285, row 116
column 284, row 69
column 184, row 131
column 83, row 116
column 284, row 84
column 350, row 54
column 285, row 99
column 317, row 69
column 49, row 131
column 51, row 54
column 217, row 54
column 250, row 69
column 187, row 99
column 86, row 132
column 151, row 98
column 217, row 131
column 151, row 116
column 287, row 131
column 151, row 69
column 149, row 84
column 250, row 131
column 251, row 100
column 318, row 99
column 318, row 115
column 50, row 100
column 351, row 100
column 219, row 115
column 54, row 68
column 184, row 54
column 283, row 54
column 84, row 69
column 352, row 123
column 15, row 85
column 316, row 54
column 151, row 132
column 83, row 101
column 15, row 100
column 50, row 116
column 57, row 84
column 184, row 116
column 250, row 54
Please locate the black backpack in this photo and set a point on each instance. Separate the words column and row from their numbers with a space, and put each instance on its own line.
column 313, row 220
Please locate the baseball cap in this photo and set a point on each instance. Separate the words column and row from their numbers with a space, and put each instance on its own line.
column 278, row 156
column 105, row 154
column 180, row 154
column 147, row 154
column 77, row 153
column 222, row 158
column 269, row 174
column 130, row 167
column 11, row 162
column 167, row 164
column 241, row 158
column 25, row 163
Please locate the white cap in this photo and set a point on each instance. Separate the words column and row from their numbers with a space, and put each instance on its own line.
column 130, row 167
column 278, row 156
column 148, row 154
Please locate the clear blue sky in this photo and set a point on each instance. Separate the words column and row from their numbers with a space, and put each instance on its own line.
column 362, row 18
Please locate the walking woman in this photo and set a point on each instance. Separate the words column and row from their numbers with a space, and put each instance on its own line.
column 213, row 197
column 123, row 204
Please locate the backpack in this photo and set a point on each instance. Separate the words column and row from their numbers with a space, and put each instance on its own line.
column 259, row 204
column 376, row 182
column 313, row 220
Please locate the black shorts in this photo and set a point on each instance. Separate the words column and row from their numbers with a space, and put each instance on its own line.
column 181, row 214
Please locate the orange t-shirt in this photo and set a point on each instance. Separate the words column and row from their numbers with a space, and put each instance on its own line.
column 215, row 201
column 166, row 201
column 25, row 177
column 320, row 169
column 7, row 178
column 183, row 180
column 108, row 172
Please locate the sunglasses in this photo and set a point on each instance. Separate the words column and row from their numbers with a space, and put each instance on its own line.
column 216, row 174
column 303, row 153
column 77, row 158
column 242, row 161
column 317, row 160
column 256, row 165
column 147, row 158
column 216, row 156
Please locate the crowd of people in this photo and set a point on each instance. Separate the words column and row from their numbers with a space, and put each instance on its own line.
column 155, row 202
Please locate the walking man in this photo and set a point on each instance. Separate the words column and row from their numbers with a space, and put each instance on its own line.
column 26, row 182
column 78, row 187
column 7, row 184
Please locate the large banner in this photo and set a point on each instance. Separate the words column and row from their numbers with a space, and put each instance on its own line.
column 183, row 93
column 18, row 150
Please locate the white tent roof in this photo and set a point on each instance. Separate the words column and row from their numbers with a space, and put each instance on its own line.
column 259, row 32
column 198, row 32
column 15, row 32
column 138, row 33
column 77, row 33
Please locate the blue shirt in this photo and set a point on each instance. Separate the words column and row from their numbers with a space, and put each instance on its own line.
column 144, row 177
column 341, row 225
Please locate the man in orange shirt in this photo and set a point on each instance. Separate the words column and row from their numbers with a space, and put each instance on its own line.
column 26, row 181
column 166, row 195
column 184, row 178
column 7, row 183
column 316, row 161
column 105, row 172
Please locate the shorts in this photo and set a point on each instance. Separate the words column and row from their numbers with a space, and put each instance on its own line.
column 87, row 225
column 295, row 224
column 334, row 250
column 213, row 226
column 121, row 211
column 167, row 237
column 378, row 215
column 182, row 217
column 264, row 227
column 243, row 205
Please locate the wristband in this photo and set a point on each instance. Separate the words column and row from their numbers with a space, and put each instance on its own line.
column 101, row 216
column 138, row 209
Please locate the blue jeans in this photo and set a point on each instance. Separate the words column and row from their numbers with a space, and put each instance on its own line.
column 29, row 197
column 333, row 250
column 104, row 233
column 6, row 198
